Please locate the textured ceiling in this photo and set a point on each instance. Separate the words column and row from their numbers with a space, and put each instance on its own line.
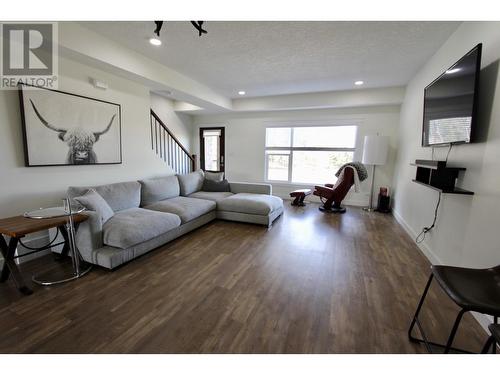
column 272, row 58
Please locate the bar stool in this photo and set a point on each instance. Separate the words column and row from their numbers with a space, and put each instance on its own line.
column 493, row 340
column 471, row 289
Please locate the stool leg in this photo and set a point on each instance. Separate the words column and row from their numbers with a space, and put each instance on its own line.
column 454, row 331
column 415, row 317
column 489, row 342
column 494, row 351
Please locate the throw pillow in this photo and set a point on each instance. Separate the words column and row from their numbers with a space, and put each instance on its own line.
column 91, row 200
column 158, row 189
column 191, row 182
column 216, row 186
column 214, row 176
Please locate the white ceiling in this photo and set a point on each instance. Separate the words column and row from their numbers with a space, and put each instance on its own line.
column 273, row 58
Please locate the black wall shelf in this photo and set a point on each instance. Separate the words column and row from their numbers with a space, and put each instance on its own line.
column 436, row 175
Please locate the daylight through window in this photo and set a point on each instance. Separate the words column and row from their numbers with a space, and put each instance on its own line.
column 308, row 154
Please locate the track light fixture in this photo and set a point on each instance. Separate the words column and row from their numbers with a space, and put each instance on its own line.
column 198, row 25
column 158, row 24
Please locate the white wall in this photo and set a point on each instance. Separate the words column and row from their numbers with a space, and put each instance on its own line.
column 82, row 44
column 23, row 188
column 321, row 100
column 178, row 123
column 245, row 140
column 466, row 232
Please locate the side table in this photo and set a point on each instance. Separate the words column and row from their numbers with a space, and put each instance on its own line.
column 18, row 227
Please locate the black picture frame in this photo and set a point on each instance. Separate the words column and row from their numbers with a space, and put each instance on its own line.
column 23, row 89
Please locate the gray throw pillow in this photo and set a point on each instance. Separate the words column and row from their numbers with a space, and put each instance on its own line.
column 215, row 186
column 191, row 182
column 158, row 189
column 94, row 202
column 214, row 176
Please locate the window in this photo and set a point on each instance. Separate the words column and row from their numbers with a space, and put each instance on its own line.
column 308, row 155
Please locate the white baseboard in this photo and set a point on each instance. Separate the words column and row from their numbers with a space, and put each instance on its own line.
column 429, row 254
column 482, row 319
column 347, row 202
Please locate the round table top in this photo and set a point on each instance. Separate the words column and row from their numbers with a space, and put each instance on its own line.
column 53, row 212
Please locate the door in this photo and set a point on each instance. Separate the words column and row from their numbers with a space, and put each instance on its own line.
column 212, row 149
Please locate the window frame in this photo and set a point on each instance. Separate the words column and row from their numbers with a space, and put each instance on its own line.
column 291, row 149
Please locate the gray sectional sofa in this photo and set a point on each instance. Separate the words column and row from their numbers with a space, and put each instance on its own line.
column 149, row 213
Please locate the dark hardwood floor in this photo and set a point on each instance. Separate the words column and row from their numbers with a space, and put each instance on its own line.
column 314, row 283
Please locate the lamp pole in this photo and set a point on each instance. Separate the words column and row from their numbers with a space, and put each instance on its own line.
column 370, row 207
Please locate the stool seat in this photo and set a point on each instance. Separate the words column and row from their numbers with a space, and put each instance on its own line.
column 300, row 192
column 471, row 289
column 299, row 196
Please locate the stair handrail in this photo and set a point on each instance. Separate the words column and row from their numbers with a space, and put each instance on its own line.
column 162, row 124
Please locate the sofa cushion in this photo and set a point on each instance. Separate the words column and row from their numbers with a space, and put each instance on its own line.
column 211, row 195
column 135, row 225
column 256, row 204
column 186, row 208
column 214, row 176
column 119, row 196
column 158, row 189
column 92, row 201
column 191, row 182
column 218, row 186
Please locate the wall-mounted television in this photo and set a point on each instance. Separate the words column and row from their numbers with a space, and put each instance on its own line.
column 450, row 102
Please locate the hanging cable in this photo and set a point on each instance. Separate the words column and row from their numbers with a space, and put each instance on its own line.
column 448, row 154
column 421, row 236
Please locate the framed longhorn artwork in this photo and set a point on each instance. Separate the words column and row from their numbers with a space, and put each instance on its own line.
column 60, row 128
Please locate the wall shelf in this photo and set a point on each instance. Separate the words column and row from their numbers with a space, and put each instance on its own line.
column 436, row 175
column 454, row 191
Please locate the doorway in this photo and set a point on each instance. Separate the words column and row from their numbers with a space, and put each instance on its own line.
column 212, row 153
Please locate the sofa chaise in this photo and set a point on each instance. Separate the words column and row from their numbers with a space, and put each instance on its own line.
column 149, row 213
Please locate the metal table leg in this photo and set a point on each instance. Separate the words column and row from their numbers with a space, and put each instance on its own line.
column 65, row 250
column 10, row 266
column 69, row 236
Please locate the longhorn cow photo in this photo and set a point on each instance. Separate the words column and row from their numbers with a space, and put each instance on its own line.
column 79, row 141
column 68, row 129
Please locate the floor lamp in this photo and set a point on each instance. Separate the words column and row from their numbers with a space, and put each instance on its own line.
column 374, row 153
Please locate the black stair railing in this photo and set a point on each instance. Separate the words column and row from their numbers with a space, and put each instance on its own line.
column 168, row 147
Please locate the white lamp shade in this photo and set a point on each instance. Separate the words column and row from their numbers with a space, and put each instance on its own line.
column 375, row 149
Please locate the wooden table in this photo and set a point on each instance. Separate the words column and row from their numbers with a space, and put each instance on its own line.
column 18, row 227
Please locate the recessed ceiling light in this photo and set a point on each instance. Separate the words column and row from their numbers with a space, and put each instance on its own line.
column 155, row 41
column 358, row 83
column 451, row 71
column 241, row 92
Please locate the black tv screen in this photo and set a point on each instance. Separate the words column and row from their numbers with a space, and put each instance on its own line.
column 450, row 102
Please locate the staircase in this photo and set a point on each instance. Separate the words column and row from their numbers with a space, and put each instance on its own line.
column 168, row 147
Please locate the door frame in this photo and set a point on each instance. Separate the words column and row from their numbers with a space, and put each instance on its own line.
column 222, row 147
